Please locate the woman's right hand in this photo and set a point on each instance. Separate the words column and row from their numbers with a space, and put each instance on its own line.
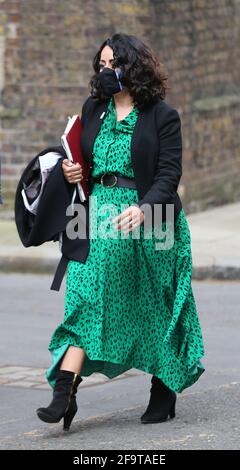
column 72, row 171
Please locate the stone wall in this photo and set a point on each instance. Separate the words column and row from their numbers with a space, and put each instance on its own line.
column 46, row 50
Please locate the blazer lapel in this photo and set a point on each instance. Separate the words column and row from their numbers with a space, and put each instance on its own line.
column 137, row 130
column 93, row 127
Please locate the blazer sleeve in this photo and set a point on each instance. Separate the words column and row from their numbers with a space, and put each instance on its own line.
column 169, row 163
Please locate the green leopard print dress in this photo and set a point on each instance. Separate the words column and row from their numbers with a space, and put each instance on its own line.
column 129, row 305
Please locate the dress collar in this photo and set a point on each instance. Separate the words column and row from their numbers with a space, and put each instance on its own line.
column 127, row 124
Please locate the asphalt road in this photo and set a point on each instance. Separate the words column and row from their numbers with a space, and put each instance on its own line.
column 207, row 414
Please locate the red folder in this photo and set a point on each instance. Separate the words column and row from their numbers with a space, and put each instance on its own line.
column 70, row 140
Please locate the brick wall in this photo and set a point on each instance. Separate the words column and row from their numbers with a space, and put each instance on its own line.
column 46, row 49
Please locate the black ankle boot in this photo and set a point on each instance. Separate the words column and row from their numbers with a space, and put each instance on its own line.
column 161, row 404
column 63, row 404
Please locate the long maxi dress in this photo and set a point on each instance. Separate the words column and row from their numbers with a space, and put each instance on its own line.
column 129, row 305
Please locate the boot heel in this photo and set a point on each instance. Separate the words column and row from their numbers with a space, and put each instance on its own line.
column 67, row 419
column 172, row 411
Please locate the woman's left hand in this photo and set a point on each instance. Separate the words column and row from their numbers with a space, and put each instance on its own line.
column 129, row 219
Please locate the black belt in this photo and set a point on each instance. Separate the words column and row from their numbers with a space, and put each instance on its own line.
column 110, row 180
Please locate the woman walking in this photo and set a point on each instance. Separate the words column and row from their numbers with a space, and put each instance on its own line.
column 129, row 305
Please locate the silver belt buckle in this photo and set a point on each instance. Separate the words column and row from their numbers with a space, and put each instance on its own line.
column 109, row 185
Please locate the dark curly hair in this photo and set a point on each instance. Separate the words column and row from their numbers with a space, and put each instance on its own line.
column 143, row 74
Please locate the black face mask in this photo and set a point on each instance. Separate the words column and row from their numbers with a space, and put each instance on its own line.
column 110, row 81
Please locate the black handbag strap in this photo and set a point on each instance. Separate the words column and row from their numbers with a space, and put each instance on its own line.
column 59, row 274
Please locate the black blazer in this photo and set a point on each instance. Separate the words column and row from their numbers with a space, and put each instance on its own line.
column 156, row 151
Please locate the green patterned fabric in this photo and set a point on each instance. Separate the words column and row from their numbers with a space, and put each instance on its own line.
column 130, row 305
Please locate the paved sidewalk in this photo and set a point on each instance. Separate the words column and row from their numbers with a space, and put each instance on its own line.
column 109, row 410
column 34, row 377
column 214, row 235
